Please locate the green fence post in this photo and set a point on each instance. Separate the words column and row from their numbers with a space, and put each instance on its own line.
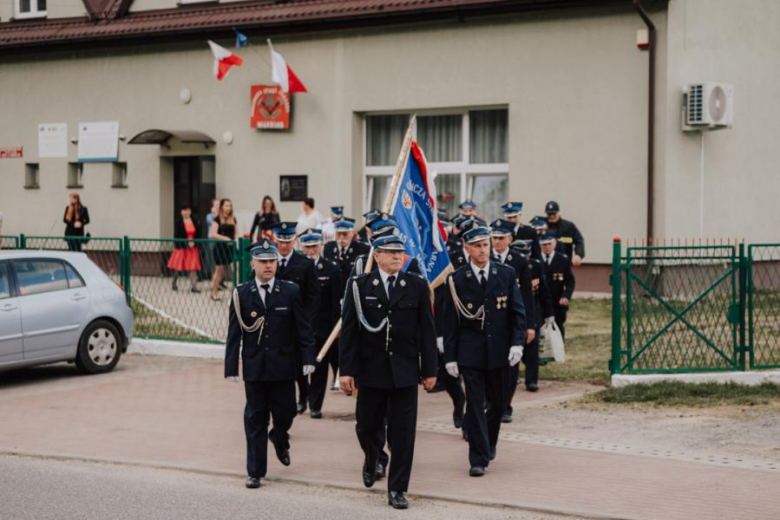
column 743, row 288
column 22, row 241
column 615, row 282
column 126, row 250
column 245, row 263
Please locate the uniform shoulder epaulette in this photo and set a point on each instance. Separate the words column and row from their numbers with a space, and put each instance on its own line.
column 360, row 276
column 287, row 283
column 502, row 266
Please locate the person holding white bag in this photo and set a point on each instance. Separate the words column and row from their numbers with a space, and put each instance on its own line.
column 560, row 279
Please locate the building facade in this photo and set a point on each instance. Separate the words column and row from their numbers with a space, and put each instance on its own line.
column 526, row 100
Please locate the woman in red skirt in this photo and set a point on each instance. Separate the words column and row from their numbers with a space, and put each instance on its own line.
column 185, row 257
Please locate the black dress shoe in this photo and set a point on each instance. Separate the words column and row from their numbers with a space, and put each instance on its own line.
column 532, row 387
column 369, row 473
column 506, row 418
column 492, row 453
column 282, row 453
column 380, row 470
column 397, row 499
column 301, row 407
column 476, row 471
column 465, row 436
column 252, row 482
column 457, row 420
column 316, row 414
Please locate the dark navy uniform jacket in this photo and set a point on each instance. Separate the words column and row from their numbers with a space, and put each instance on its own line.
column 524, row 232
column 464, row 340
column 560, row 279
column 331, row 292
column 455, row 252
column 287, row 334
column 411, row 351
column 542, row 299
column 301, row 271
column 569, row 237
column 522, row 267
column 332, row 252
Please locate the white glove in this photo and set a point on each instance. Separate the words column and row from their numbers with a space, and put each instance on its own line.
column 515, row 355
column 452, row 369
column 550, row 320
column 440, row 345
column 308, row 370
column 232, row 378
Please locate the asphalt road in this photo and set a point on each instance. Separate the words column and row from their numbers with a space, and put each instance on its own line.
column 42, row 489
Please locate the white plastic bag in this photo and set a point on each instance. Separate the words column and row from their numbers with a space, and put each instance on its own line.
column 552, row 343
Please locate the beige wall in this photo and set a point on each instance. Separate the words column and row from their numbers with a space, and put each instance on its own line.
column 575, row 88
column 54, row 9
column 738, row 43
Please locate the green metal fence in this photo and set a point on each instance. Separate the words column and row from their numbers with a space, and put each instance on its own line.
column 689, row 308
column 9, row 242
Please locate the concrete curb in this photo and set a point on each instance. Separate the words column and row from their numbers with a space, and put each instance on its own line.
column 217, row 473
column 159, row 347
column 743, row 378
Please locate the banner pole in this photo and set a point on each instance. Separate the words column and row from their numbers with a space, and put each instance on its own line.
column 391, row 194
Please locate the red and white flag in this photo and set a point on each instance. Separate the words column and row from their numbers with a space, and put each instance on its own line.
column 282, row 74
column 223, row 60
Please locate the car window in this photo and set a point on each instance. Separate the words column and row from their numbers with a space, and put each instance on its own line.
column 74, row 280
column 5, row 284
column 38, row 276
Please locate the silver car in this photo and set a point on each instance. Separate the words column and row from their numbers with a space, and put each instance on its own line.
column 57, row 306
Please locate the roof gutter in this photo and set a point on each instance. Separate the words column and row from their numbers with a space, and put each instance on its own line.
column 650, row 117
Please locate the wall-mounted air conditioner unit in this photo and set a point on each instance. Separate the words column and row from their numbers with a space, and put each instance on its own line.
column 708, row 106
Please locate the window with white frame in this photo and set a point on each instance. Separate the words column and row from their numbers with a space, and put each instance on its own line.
column 30, row 8
column 466, row 148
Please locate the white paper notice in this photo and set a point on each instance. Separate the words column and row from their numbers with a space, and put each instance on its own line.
column 53, row 140
column 99, row 142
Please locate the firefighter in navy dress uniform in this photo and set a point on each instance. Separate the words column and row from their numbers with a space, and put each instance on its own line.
column 388, row 347
column 560, row 280
column 270, row 332
column 297, row 268
column 513, row 212
column 485, row 329
column 327, row 315
column 344, row 250
column 502, row 233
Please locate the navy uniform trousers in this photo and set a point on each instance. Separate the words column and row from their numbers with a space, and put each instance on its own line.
column 264, row 400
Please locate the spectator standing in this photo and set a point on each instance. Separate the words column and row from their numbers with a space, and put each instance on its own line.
column 225, row 229
column 76, row 217
column 185, row 257
column 268, row 214
column 310, row 218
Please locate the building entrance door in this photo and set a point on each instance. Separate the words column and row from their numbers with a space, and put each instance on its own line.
column 194, row 184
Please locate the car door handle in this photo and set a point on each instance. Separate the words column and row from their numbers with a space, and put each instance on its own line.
column 8, row 307
column 77, row 296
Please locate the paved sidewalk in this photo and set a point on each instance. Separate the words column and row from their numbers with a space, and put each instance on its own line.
column 178, row 412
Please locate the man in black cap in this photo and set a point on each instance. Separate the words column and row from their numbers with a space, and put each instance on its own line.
column 569, row 238
column 388, row 347
column 297, row 268
column 560, row 280
column 328, row 313
column 485, row 332
column 270, row 331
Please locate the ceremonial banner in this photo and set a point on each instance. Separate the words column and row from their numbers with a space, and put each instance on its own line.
column 415, row 211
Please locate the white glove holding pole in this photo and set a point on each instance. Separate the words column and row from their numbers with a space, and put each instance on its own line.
column 440, row 345
column 232, row 378
column 308, row 370
column 452, row 369
column 515, row 355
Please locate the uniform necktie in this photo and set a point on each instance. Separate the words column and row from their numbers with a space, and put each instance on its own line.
column 390, row 283
column 283, row 263
column 265, row 287
column 547, row 260
column 343, row 252
column 482, row 279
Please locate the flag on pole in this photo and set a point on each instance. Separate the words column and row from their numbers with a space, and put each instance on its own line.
column 223, row 60
column 282, row 74
column 414, row 209
column 241, row 39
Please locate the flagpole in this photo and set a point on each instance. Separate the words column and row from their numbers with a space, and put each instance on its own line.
column 391, row 195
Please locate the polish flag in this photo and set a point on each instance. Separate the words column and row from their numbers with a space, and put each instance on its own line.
column 282, row 74
column 223, row 60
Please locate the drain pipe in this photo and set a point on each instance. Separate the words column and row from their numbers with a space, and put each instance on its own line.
column 650, row 117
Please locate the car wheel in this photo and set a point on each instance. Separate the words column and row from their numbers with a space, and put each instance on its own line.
column 99, row 348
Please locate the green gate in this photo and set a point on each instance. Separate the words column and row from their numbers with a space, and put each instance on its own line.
column 677, row 309
column 763, row 292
